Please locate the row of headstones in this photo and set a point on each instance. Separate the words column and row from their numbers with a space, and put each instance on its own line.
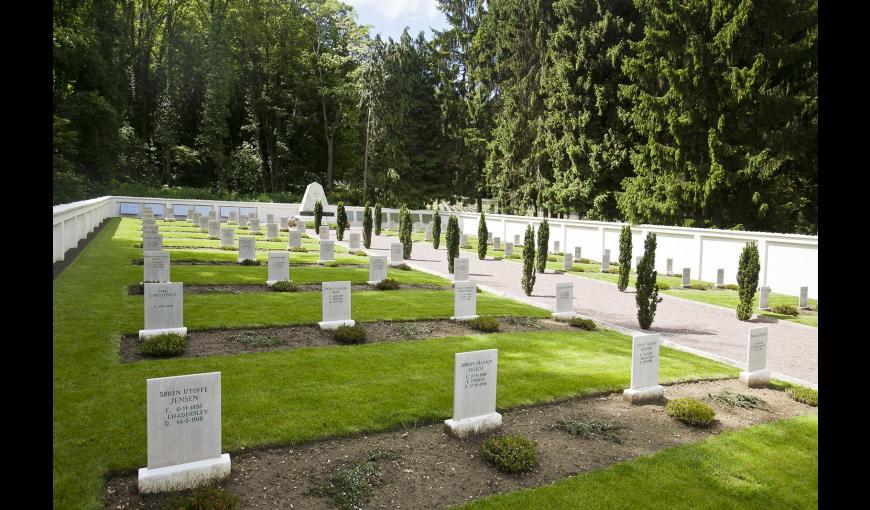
column 184, row 412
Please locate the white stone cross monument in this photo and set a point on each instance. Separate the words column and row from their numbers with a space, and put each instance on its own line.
column 336, row 305
column 474, row 390
column 396, row 254
column 313, row 194
column 377, row 269
column 564, row 301
column 156, row 266
column 464, row 301
column 247, row 248
column 644, row 370
column 756, row 374
column 184, row 433
column 327, row 251
column 164, row 309
column 279, row 267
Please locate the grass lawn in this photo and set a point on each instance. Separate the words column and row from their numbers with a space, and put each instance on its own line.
column 774, row 465
column 287, row 396
column 215, row 275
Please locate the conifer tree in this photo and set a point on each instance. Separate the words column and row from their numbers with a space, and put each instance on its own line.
column 378, row 219
column 341, row 221
column 318, row 215
column 405, row 231
column 528, row 279
column 482, row 236
column 452, row 240
column 624, row 257
column 747, row 280
column 436, row 230
column 543, row 244
column 367, row 226
column 647, row 297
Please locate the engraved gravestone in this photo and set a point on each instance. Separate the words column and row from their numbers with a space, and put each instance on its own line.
column 605, row 261
column 243, row 221
column 577, row 252
column 149, row 222
column 164, row 304
column 489, row 238
column 212, row 215
column 803, row 301
column 324, row 232
column 254, row 224
column 508, row 249
column 189, row 214
column 763, row 294
column 460, row 269
column 156, row 266
column 203, row 223
column 496, row 243
column 214, row 229
column 567, row 261
column 295, row 240
column 555, row 247
column 300, row 227
column 464, row 300
column 152, row 243
column 233, row 217
column 228, row 236
column 428, row 234
column 279, row 267
column 327, row 251
column 517, row 240
column 687, row 282
column 283, row 224
column 756, row 374
column 474, row 393
column 247, row 248
column 149, row 230
column 670, row 268
column 336, row 305
column 644, row 370
column 720, row 278
column 377, row 269
column 396, row 254
column 272, row 231
column 353, row 241
column 170, row 214
column 564, row 300
column 184, row 433
column 270, row 218
column 463, row 240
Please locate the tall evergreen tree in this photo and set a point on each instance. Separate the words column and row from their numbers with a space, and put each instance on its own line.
column 624, row 257
column 340, row 221
column 405, row 229
column 436, row 230
column 647, row 296
column 378, row 218
column 367, row 226
column 318, row 215
column 528, row 279
column 482, row 236
column 543, row 245
column 747, row 280
column 452, row 240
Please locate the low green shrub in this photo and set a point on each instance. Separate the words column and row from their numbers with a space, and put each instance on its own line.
column 167, row 344
column 690, row 411
column 206, row 498
column 359, row 253
column 700, row 286
column 138, row 262
column 736, row 399
column 485, row 324
column 284, row 286
column 731, row 286
column 591, row 429
column 577, row 269
column 300, row 249
column 254, row 339
column 387, row 284
column 403, row 267
column 331, row 263
column 350, row 487
column 250, row 262
column 584, row 324
column 663, row 285
column 613, row 270
column 227, row 248
column 350, row 334
column 585, row 261
column 785, row 309
column 552, row 258
column 807, row 396
column 511, row 453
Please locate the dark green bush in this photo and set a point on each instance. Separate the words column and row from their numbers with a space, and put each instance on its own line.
column 806, row 395
column 731, row 286
column 485, row 324
column 405, row 231
column 318, row 215
column 747, row 279
column 700, row 286
column 585, row 324
column 663, row 285
column 552, row 258
column 647, row 296
column 340, row 221
column 284, row 286
column 206, row 498
column 250, row 262
column 785, row 309
column 529, row 276
column 403, row 267
column 367, row 226
column 387, row 284
column 379, row 218
column 436, row 230
column 299, row 249
column 690, row 411
column 624, row 257
column 482, row 236
column 168, row 344
column 350, row 334
column 452, row 240
column 543, row 244
column 511, row 453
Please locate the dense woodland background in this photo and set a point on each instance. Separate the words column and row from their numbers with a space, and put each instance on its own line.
column 681, row 112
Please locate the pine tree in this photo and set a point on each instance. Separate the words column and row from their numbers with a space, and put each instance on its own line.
column 482, row 236
column 543, row 245
column 318, row 215
column 378, row 219
column 528, row 279
column 436, row 230
column 747, row 280
column 452, row 240
column 341, row 221
column 405, row 231
column 647, row 297
column 367, row 226
column 624, row 257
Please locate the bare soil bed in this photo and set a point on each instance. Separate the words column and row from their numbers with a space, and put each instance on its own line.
column 137, row 290
column 217, row 341
column 433, row 470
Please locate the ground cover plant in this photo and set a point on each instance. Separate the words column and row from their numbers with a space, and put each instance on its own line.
column 485, row 324
column 807, row 396
column 590, row 429
column 726, row 397
column 349, row 487
column 350, row 334
column 584, row 324
column 254, row 339
column 256, row 392
column 167, row 344
column 690, row 411
column 206, row 498
column 511, row 453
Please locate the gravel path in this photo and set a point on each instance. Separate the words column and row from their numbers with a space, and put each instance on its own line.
column 706, row 329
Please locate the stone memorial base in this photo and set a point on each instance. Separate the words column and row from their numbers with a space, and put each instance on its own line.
column 564, row 316
column 373, row 282
column 335, row 324
column 756, row 379
column 686, row 286
column 321, row 262
column 453, row 283
column 242, row 260
column 148, row 333
column 465, row 318
column 394, row 264
column 473, row 425
column 643, row 395
column 720, row 285
column 184, row 476
column 269, row 283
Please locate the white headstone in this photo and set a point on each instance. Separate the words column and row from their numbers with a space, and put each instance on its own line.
column 763, row 294
column 327, row 251
column 214, row 229
column 282, row 225
column 564, row 300
column 555, row 247
column 396, row 254
column 228, row 236
column 577, row 252
column 324, row 232
column 150, row 230
column 508, row 249
column 517, row 240
column 149, row 222
column 460, row 269
column 295, row 239
column 567, row 261
column 720, row 277
column 184, row 433
column 803, row 301
column 489, row 238
column 300, row 227
column 156, row 266
column 313, row 194
column 189, row 214
column 464, row 300
column 496, row 243
column 152, row 243
column 243, row 221
column 644, row 370
column 272, row 231
column 474, row 391
column 463, row 240
column 203, row 223
column 164, row 309
column 428, row 234
column 233, row 216
column 756, row 373
column 254, row 224
column 377, row 269
column 247, row 248
column 605, row 261
column 687, row 281
column 336, row 305
column 279, row 267
column 670, row 267
column 353, row 241
column 270, row 218
column 170, row 214
column 212, row 215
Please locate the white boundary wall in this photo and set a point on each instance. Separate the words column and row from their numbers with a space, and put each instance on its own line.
column 788, row 261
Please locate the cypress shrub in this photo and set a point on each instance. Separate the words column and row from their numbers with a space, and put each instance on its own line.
column 378, row 219
column 482, row 236
column 341, row 221
column 528, row 280
column 624, row 257
column 747, row 280
column 405, row 231
column 647, row 297
column 543, row 241
column 367, row 226
column 436, row 230
column 452, row 239
column 318, row 215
